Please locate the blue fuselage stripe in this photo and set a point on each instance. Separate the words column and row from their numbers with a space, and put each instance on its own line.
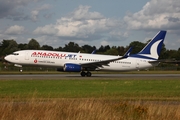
column 142, row 57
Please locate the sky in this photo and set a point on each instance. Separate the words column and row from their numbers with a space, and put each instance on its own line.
column 93, row 22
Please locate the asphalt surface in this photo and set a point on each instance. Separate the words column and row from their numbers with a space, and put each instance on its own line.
column 94, row 76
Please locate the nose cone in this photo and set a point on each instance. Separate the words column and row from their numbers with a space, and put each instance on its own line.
column 8, row 58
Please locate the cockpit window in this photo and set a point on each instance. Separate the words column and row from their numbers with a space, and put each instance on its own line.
column 15, row 53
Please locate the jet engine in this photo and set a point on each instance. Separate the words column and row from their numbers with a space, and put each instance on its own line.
column 70, row 67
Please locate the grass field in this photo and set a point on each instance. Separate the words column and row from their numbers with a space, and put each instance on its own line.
column 91, row 99
column 107, row 88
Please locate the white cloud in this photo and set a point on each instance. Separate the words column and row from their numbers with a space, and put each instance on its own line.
column 104, row 43
column 156, row 14
column 35, row 12
column 81, row 24
column 34, row 15
column 14, row 9
column 82, row 13
column 80, row 29
column 15, row 30
column 46, row 30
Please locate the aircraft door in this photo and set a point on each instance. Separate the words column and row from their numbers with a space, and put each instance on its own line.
column 26, row 56
column 137, row 64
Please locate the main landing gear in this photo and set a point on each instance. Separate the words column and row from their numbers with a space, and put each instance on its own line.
column 88, row 74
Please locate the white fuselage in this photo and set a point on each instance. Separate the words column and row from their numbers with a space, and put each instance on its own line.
column 58, row 59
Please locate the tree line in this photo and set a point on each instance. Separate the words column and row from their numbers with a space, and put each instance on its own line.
column 9, row 46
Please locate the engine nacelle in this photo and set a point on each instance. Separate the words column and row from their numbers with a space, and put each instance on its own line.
column 70, row 67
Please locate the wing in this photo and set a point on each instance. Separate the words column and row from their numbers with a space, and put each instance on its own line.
column 96, row 64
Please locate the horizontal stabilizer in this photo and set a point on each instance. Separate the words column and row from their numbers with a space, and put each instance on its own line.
column 170, row 61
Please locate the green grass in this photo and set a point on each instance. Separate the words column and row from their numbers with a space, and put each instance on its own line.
column 91, row 99
column 155, row 89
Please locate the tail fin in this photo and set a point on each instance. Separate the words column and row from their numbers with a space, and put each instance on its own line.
column 153, row 48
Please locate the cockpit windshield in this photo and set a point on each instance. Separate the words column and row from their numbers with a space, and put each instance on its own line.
column 15, row 53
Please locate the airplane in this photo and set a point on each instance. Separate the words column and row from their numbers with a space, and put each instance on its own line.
column 84, row 63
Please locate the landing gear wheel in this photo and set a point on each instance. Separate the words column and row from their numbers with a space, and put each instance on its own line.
column 20, row 70
column 83, row 74
column 88, row 74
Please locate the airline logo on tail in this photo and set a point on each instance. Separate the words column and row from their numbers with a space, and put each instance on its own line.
column 153, row 48
column 153, row 51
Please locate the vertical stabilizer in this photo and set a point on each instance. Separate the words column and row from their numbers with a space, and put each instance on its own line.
column 153, row 48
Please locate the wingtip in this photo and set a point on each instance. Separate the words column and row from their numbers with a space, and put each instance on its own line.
column 127, row 54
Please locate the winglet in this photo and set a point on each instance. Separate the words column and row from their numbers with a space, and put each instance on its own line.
column 127, row 54
column 93, row 52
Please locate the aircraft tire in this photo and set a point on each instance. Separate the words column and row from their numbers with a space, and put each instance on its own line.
column 83, row 74
column 88, row 74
